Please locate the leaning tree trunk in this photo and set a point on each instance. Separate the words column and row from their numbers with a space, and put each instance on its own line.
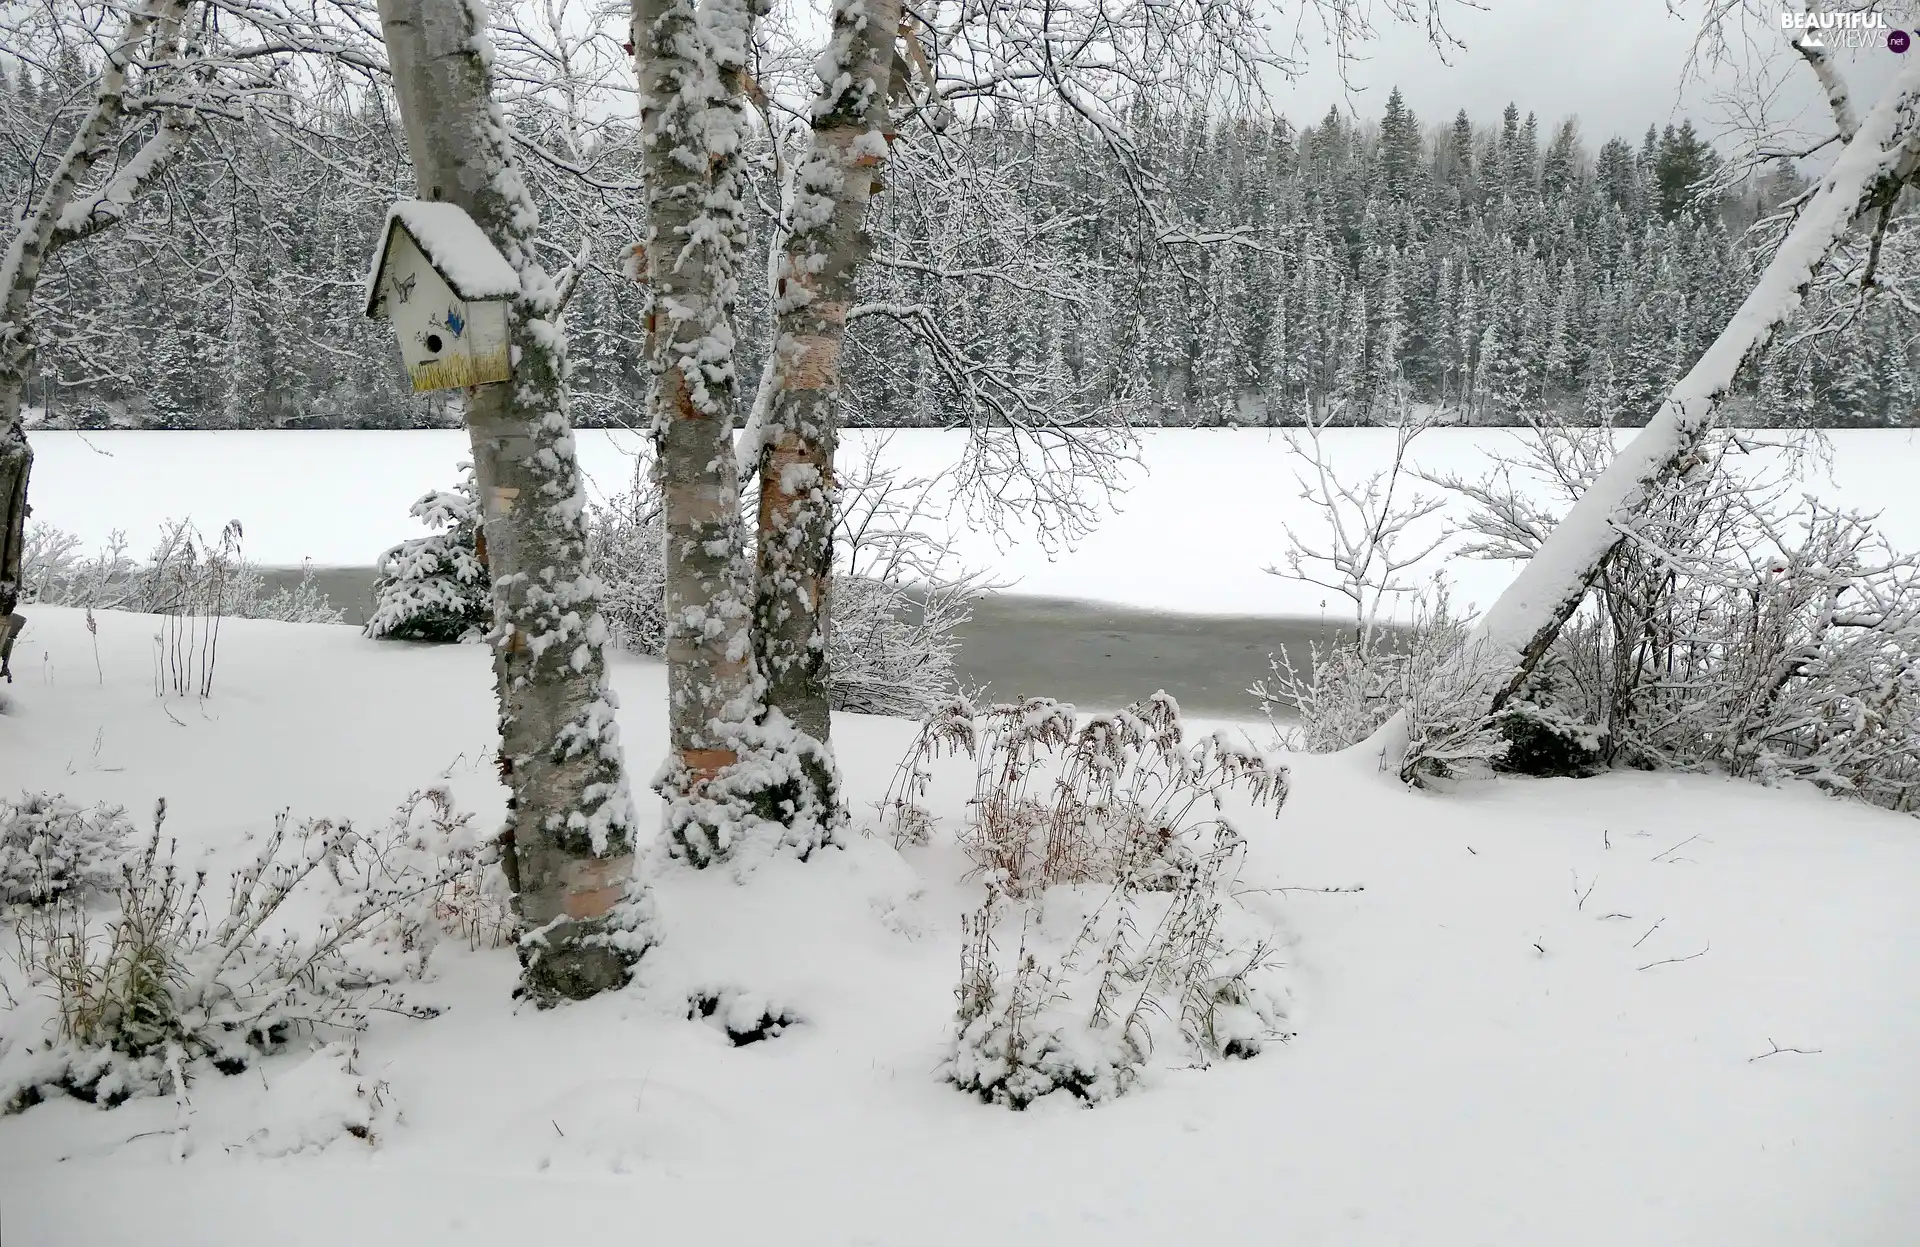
column 798, row 432
column 16, row 465
column 570, row 819
column 1516, row 631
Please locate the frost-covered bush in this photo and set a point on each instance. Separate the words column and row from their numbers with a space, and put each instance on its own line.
column 1421, row 671
column 50, row 847
column 626, row 549
column 898, row 598
column 184, row 575
column 1109, row 867
column 322, row 924
column 1103, row 976
column 436, row 588
column 53, row 570
column 1738, row 626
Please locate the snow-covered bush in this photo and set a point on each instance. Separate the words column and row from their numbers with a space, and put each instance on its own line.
column 947, row 730
column 1345, row 693
column 1737, row 627
column 50, row 847
column 184, row 575
column 1375, row 534
column 436, row 588
column 1103, row 976
column 303, row 603
column 320, row 926
column 898, row 599
column 626, row 549
column 1110, row 868
column 54, row 572
column 744, row 1017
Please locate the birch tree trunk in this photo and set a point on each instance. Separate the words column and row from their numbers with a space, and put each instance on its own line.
column 1881, row 158
column 730, row 773
column 799, row 427
column 570, row 818
column 62, row 213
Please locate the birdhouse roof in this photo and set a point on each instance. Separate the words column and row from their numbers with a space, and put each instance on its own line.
column 470, row 264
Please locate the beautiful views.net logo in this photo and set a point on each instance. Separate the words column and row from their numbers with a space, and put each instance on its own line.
column 1847, row 30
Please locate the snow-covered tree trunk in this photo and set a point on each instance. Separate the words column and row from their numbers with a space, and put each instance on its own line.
column 719, row 778
column 1881, row 158
column 570, row 819
column 64, row 211
column 797, row 431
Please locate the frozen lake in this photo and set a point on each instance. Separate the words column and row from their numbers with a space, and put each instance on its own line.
column 1201, row 517
column 1093, row 654
column 1168, row 591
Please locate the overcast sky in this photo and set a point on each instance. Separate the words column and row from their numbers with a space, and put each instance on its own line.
column 1616, row 64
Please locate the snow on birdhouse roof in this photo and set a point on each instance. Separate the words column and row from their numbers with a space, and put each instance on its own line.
column 453, row 244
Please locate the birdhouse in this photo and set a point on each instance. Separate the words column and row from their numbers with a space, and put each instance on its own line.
column 445, row 287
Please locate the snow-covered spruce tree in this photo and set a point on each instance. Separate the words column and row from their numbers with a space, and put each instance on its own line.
column 1866, row 178
column 798, row 426
column 436, row 588
column 570, row 817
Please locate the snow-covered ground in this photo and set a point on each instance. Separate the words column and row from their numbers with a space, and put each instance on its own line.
column 1482, row 1056
column 1202, row 516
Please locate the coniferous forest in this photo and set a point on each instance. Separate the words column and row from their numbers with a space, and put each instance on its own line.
column 1491, row 268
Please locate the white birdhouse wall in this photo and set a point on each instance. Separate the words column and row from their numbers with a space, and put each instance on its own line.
column 446, row 342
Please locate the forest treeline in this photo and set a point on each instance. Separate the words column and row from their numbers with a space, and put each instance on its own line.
column 1345, row 268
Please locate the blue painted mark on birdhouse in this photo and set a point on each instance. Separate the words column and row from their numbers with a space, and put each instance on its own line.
column 455, row 322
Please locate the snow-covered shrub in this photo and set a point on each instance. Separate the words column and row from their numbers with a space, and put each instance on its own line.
column 1103, row 976
column 1058, row 803
column 1545, row 736
column 1110, row 867
column 1375, row 534
column 1422, row 671
column 302, row 603
column 626, row 548
column 947, row 730
column 436, row 588
column 321, row 925
column 318, row 1102
column 898, row 600
column 50, row 847
column 54, row 572
column 1737, row 626
column 429, row 843
column 184, row 575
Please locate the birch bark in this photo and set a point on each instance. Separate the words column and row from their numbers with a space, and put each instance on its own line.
column 570, row 820
column 814, row 290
